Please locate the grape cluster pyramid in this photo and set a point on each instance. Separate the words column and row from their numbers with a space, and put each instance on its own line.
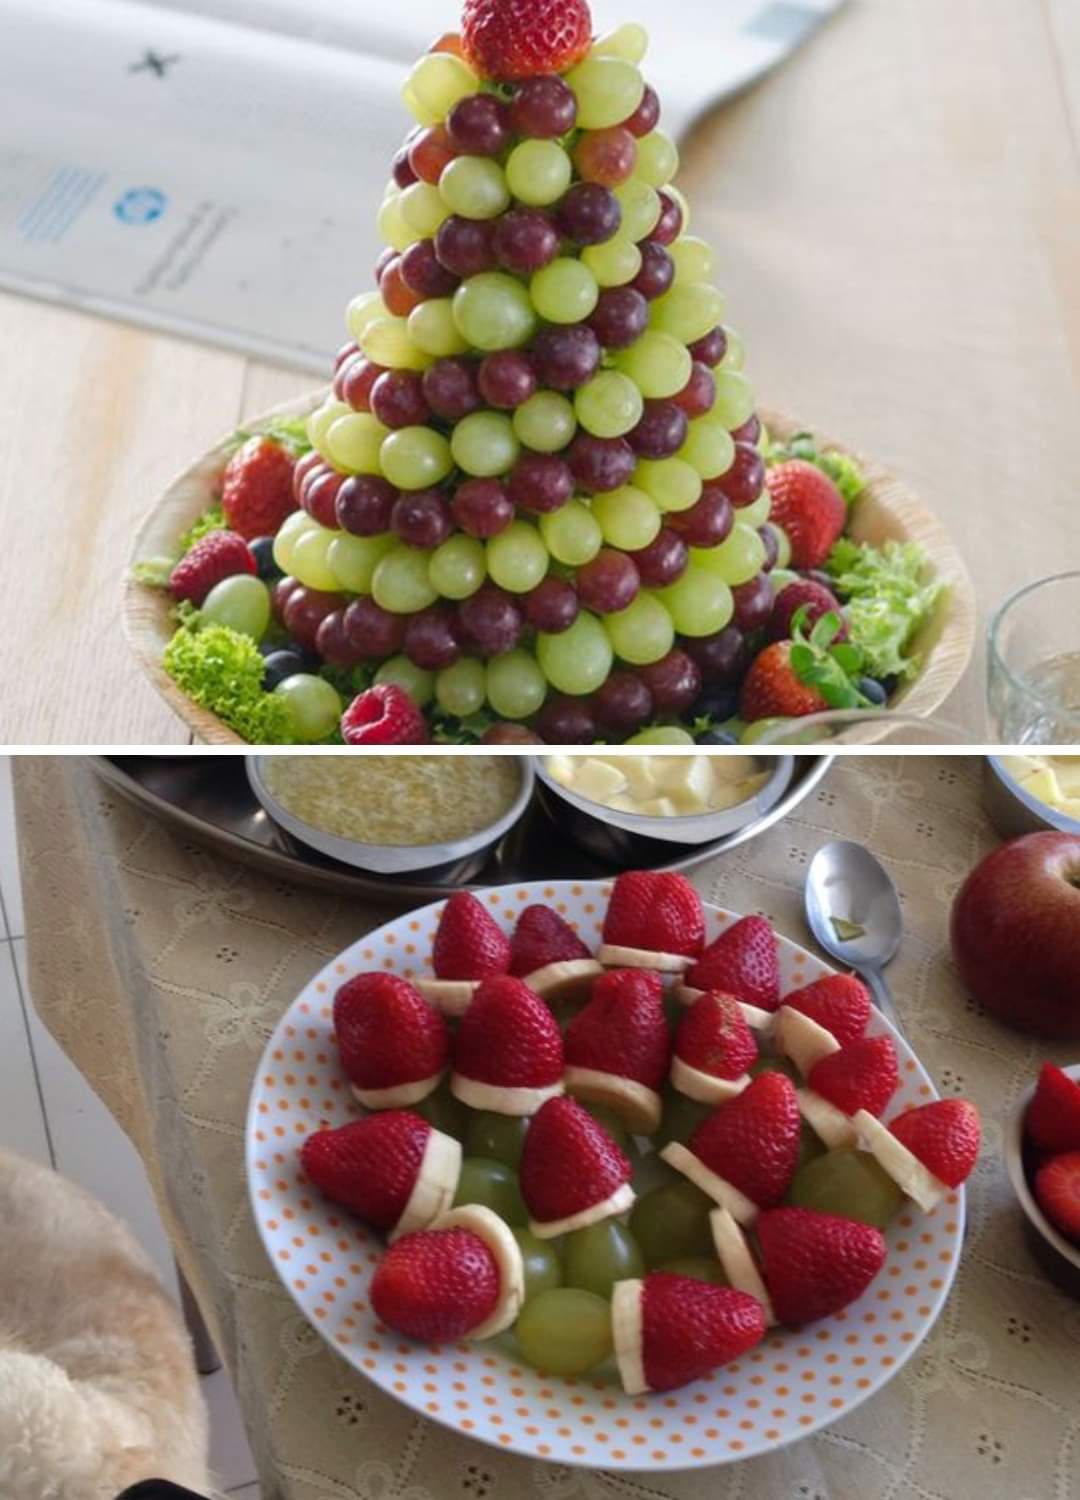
column 536, row 488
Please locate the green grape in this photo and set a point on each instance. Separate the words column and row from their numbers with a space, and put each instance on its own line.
column 353, row 560
column 672, row 1221
column 423, row 207
column 311, row 560
column 474, row 187
column 781, row 577
column 565, row 1331
column 400, row 582
column 614, row 263
column 314, row 706
column 848, row 1183
column 420, row 112
column 673, row 483
column 353, row 443
column 608, row 89
column 493, row 1185
column 415, row 458
column 496, row 1137
column 698, row 1268
column 739, row 557
column 657, row 159
column 539, row 172
column 629, row 41
column 735, row 353
column 579, row 660
column 699, row 602
column 775, row 1064
column 515, row 685
column 643, row 632
column 762, row 729
column 321, row 420
column 659, row 364
column 458, row 568
column 681, row 1116
column 485, row 444
column 757, row 514
column 242, row 603
column 688, row 311
column 734, row 402
column 517, row 559
column 493, row 311
column 439, row 81
column 461, row 690
column 540, row 1261
column 606, row 1116
column 662, row 735
column 294, row 526
column 361, row 311
column 597, row 1257
column 628, row 518
column 572, row 534
column 392, row 225
column 783, row 546
column 709, row 448
column 609, row 405
column 641, row 209
column 546, row 422
column 566, row 291
column 443, row 1111
column 433, row 330
column 693, row 258
column 386, row 341
column 403, row 673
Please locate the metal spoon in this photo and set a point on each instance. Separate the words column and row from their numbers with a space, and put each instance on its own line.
column 854, row 912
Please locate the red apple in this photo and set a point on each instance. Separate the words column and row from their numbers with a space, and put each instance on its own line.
column 1016, row 934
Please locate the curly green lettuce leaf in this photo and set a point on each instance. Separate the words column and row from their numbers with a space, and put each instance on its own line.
column 447, row 730
column 212, row 519
column 840, row 467
column 888, row 598
column 222, row 670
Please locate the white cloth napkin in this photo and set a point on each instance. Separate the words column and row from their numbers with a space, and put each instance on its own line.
column 214, row 166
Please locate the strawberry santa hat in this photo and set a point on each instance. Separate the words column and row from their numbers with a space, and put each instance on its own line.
column 469, row 946
column 653, row 921
column 394, row 1047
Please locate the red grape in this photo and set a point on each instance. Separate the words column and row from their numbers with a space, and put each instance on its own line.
column 490, row 621
column 663, row 561
column 399, row 298
column 430, row 153
column 589, row 214
column 450, row 41
column 357, row 376
column 397, row 399
column 620, row 318
column 771, row 542
column 506, row 379
column 540, row 482
column 510, row 734
column 606, row 156
column 525, row 240
column 710, row 349
column 544, row 108
column 422, row 271
column 552, row 606
column 709, row 521
column 744, row 481
column 609, row 583
column 373, row 631
column 566, row 358
column 623, row 703
column 464, row 246
column 421, row 518
column 348, row 350
column 482, row 508
column 305, row 466
column 305, row 610
column 450, row 389
column 364, row 505
column 388, row 255
column 647, row 115
column 431, row 640
column 753, row 603
column 698, row 394
column 280, row 595
column 674, row 682
column 723, row 658
column 566, row 721
column 657, row 271
column 670, row 226
column 479, row 125
column 749, row 432
column 332, row 642
column 401, row 170
column 661, row 431
column 320, row 498
column 600, row 464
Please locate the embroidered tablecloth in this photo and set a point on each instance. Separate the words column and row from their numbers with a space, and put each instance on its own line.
column 161, row 969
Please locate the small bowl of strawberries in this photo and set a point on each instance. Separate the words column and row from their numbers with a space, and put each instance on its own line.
column 1042, row 1155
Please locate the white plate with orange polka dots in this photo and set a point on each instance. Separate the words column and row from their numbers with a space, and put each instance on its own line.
column 793, row 1383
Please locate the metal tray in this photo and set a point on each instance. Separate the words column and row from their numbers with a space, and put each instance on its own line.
column 209, row 799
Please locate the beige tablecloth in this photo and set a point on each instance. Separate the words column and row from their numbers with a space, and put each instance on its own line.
column 161, row 970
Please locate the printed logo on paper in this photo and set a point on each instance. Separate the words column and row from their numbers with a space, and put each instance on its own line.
column 140, row 205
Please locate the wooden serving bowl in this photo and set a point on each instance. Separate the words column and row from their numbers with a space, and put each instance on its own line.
column 886, row 509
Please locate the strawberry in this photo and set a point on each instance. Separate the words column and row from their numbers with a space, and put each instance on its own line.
column 384, row 715
column 572, row 1173
column 218, row 555
column 839, row 1002
column 508, row 1056
column 862, row 1075
column 617, row 1048
column 751, row 1144
column 1057, row 1188
column 542, row 937
column 771, row 689
column 743, row 962
column 469, row 943
column 714, row 1047
column 809, row 509
column 805, row 675
column 392, row 1169
column 508, row 40
column 670, row 1330
column 257, row 488
column 805, row 591
column 394, row 1046
column 653, row 921
column 1053, row 1116
column 944, row 1135
column 816, row 1264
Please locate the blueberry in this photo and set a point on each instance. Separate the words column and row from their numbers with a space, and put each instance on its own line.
column 262, row 549
column 872, row 689
column 281, row 664
column 717, row 703
column 717, row 737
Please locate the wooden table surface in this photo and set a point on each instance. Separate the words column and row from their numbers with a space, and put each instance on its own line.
column 897, row 219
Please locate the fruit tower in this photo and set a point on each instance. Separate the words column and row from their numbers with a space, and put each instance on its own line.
column 536, row 488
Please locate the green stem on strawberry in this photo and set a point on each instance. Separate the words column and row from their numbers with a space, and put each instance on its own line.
column 823, row 661
column 840, row 467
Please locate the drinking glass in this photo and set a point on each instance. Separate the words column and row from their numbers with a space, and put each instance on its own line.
column 1033, row 664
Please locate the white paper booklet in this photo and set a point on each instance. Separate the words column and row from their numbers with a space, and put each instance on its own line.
column 213, row 167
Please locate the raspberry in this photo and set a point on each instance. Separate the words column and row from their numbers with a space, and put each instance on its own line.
column 218, row 555
column 384, row 715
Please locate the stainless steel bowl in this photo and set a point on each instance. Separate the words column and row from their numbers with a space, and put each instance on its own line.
column 1058, row 1258
column 631, row 838
column 1014, row 811
column 459, row 860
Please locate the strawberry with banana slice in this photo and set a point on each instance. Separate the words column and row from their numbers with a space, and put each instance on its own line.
column 394, row 1046
column 743, row 961
column 670, row 1330
column 572, row 1172
column 393, row 1170
column 469, row 946
column 821, row 1018
column 861, row 1076
column 928, row 1150
column 617, row 1049
column 815, row 1265
column 1052, row 1121
column 654, row 921
column 714, row 1047
column 548, row 955
column 508, row 1055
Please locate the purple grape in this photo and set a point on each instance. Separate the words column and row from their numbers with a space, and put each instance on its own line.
column 364, row 505
column 431, row 640
column 753, row 603
column 670, row 226
column 421, row 518
column 620, row 318
column 450, row 389
column 749, row 432
column 566, row 357
column 552, row 606
column 674, row 682
column 657, row 271
column 663, row 561
column 506, row 379
column 355, row 379
column 723, row 657
column 525, row 240
column 543, row 108
column 711, row 348
column 304, row 611
column 708, row 522
column 320, row 497
column 609, row 583
column 397, row 399
column 566, row 721
column 465, row 246
column 540, row 482
column 623, row 703
column 482, row 508
column 332, row 644
column 490, row 622
column 479, row 125
column 401, row 170
column 661, row 431
column 744, row 481
column 601, row 464
column 698, row 394
column 373, row 632
column 647, row 115
column 385, row 260
column 423, row 273
column 771, row 542
column 348, row 350
column 589, row 214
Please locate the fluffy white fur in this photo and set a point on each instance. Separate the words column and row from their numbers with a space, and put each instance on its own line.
column 97, row 1382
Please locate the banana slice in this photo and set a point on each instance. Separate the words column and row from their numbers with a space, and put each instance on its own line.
column 613, row 956
column 831, row 1124
column 635, row 1103
column 500, row 1099
column 803, row 1040
column 569, row 979
column 703, row 1086
column 400, row 1096
column 902, row 1165
column 435, row 1186
column 626, row 1332
column 452, row 996
column 621, row 1201
column 504, row 1247
column 739, row 1265
column 741, row 1208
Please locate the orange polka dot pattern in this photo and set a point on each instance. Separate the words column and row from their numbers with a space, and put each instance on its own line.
column 790, row 1385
